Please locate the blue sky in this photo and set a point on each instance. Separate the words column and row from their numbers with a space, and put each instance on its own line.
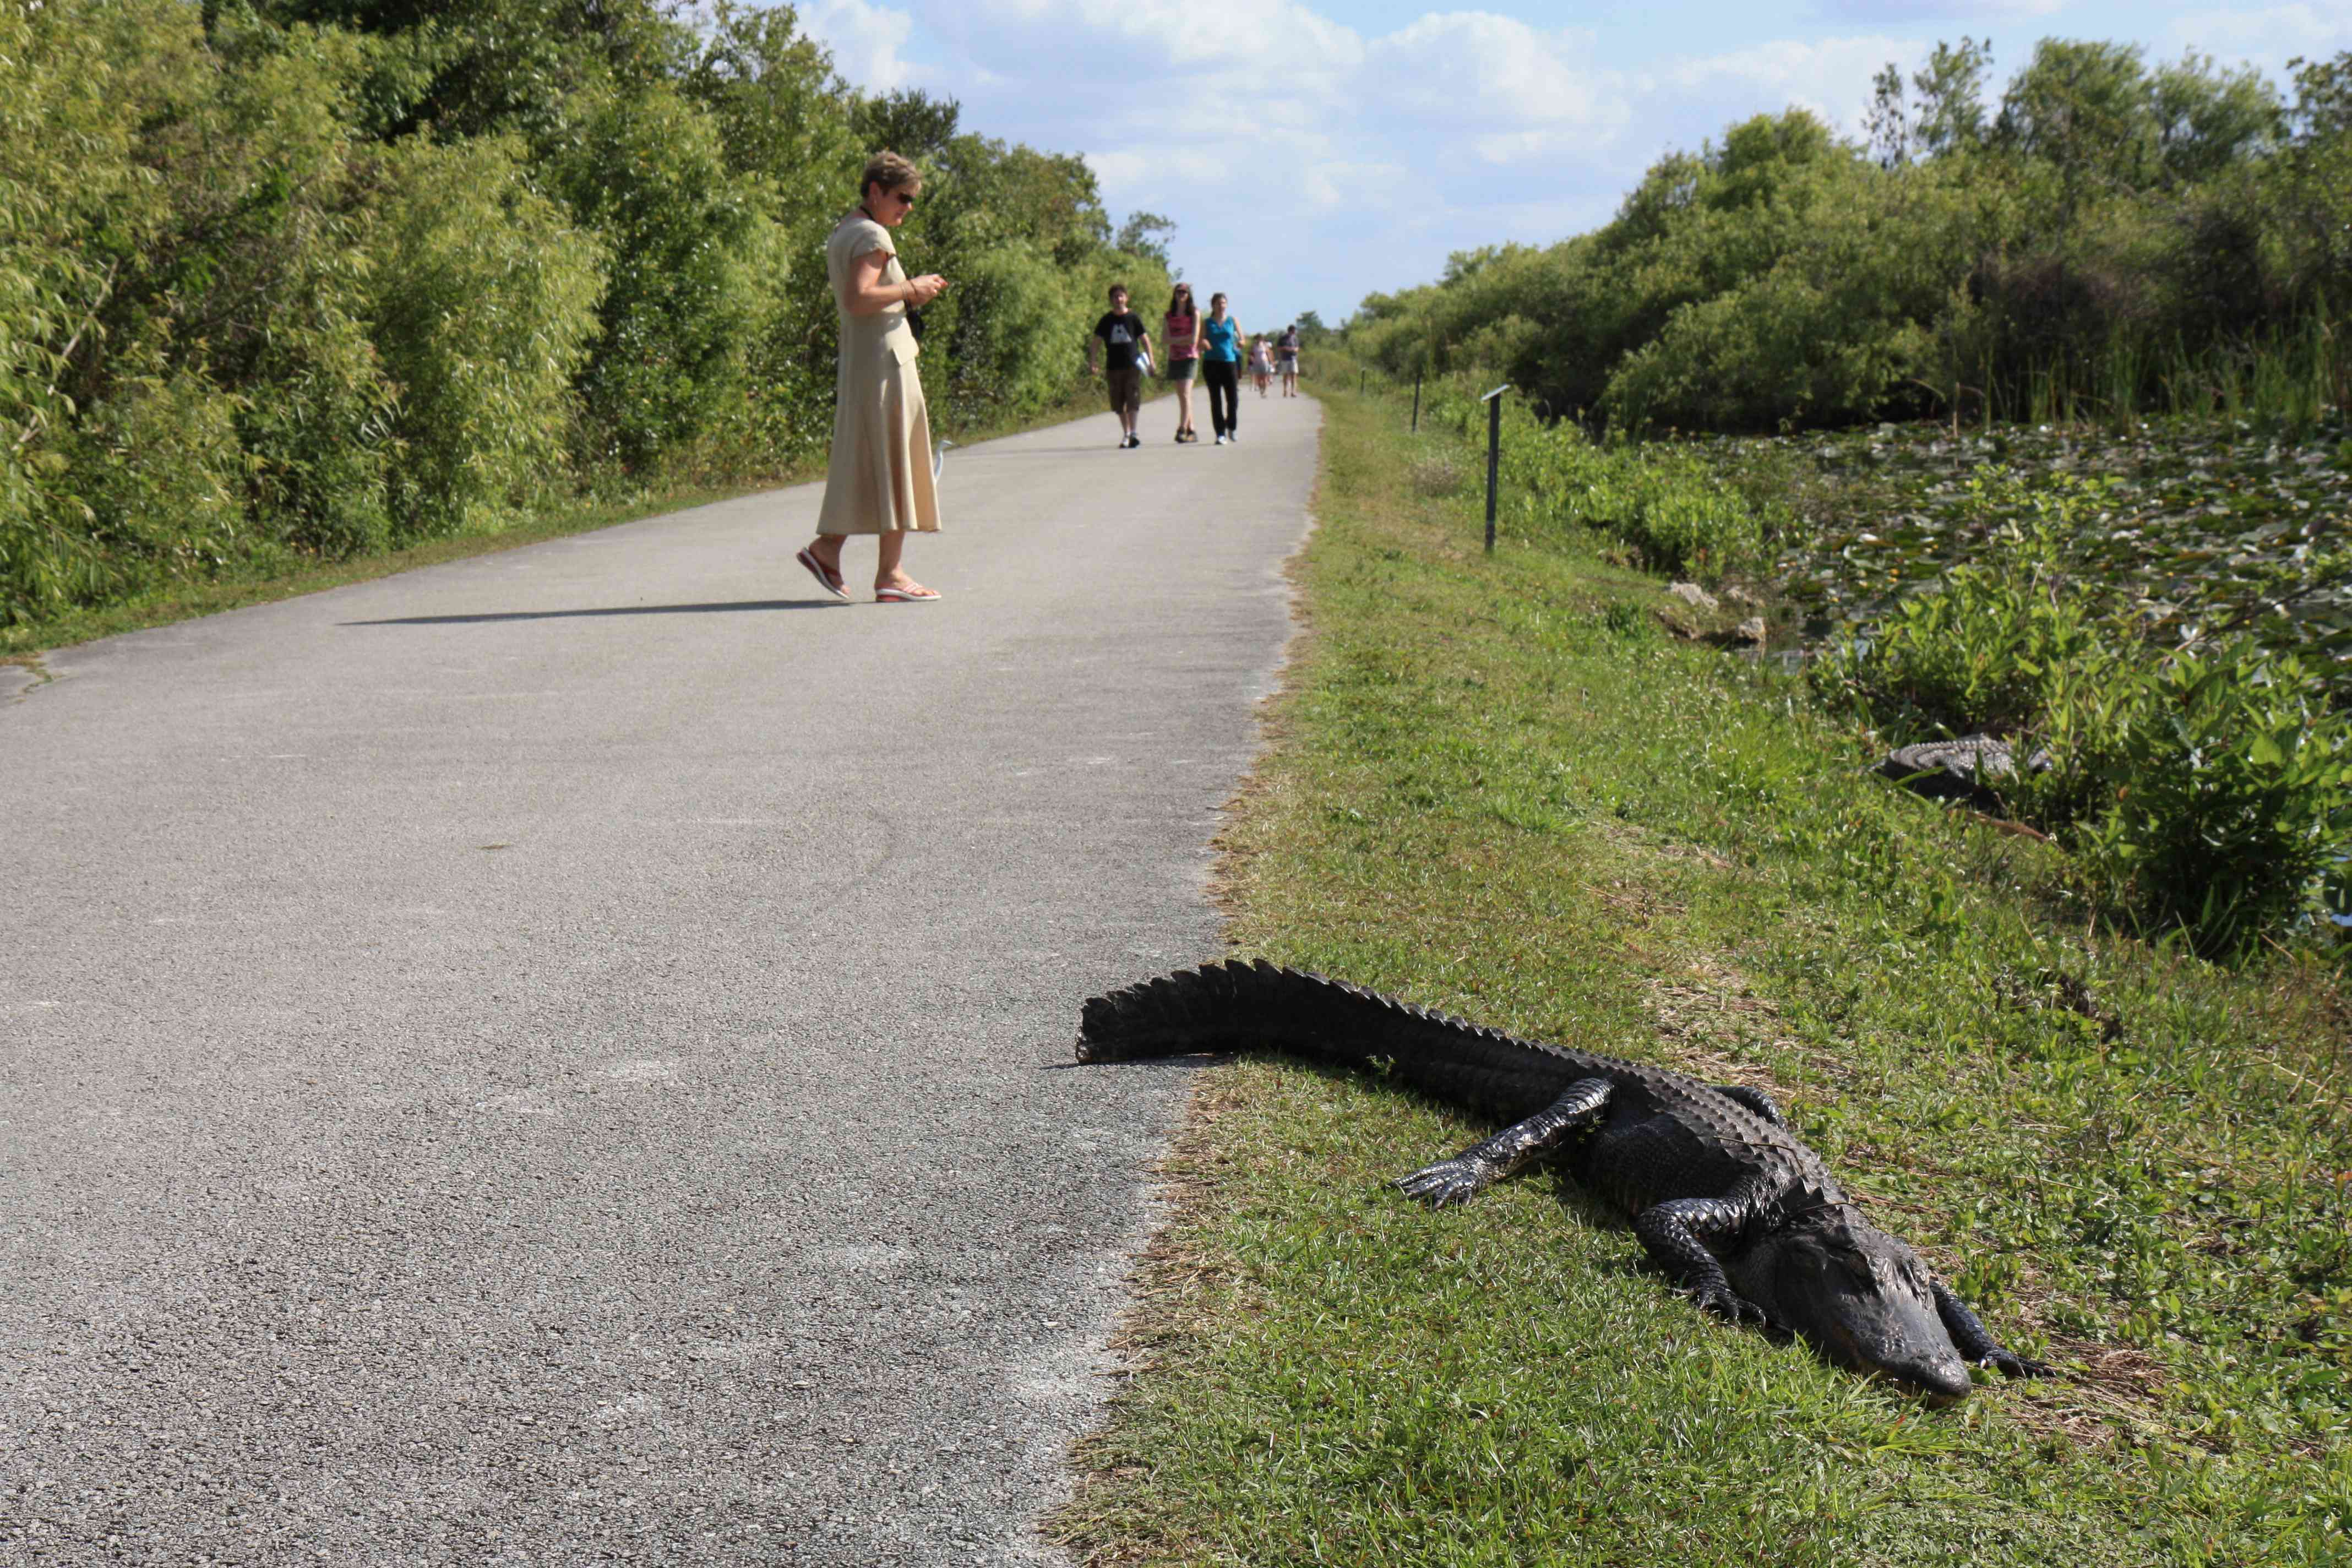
column 1312, row 151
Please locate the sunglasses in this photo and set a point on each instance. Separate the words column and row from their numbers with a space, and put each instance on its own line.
column 904, row 199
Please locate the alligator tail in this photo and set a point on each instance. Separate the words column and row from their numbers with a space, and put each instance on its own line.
column 1237, row 1006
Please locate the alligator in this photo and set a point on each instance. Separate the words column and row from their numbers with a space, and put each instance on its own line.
column 1720, row 1191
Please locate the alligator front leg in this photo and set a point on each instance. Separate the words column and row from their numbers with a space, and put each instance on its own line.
column 1480, row 1166
column 1672, row 1231
column 1975, row 1342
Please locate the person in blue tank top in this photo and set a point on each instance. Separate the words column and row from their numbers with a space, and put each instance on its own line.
column 1222, row 348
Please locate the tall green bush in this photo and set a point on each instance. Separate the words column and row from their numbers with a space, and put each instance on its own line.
column 2233, row 808
column 690, row 251
column 2065, row 253
column 76, row 80
column 484, row 309
column 2202, row 789
column 310, row 277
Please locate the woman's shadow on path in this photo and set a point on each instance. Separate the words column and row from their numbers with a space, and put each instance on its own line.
column 616, row 610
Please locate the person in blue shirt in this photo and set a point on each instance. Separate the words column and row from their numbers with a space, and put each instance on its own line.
column 1223, row 346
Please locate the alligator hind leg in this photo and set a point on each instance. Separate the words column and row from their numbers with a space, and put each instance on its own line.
column 1975, row 1342
column 1480, row 1166
column 1672, row 1231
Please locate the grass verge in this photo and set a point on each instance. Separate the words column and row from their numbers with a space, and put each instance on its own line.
column 25, row 643
column 1495, row 787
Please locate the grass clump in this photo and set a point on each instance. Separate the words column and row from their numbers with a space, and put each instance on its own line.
column 1497, row 789
column 2202, row 789
column 1662, row 503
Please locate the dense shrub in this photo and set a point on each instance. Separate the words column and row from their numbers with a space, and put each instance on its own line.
column 484, row 307
column 1987, row 649
column 1663, row 503
column 2205, row 789
column 2231, row 811
column 690, row 251
column 314, row 276
column 163, row 473
column 2116, row 239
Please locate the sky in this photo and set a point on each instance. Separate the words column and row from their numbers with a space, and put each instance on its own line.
column 1313, row 152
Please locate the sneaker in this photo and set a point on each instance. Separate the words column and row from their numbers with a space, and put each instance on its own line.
column 1235, row 437
column 1221, row 441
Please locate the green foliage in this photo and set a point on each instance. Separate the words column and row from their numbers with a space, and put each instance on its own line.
column 1985, row 650
column 2204, row 789
column 2233, row 807
column 484, row 307
column 1011, row 329
column 689, row 245
column 313, row 278
column 1493, row 801
column 165, row 474
column 2115, row 238
column 1665, row 504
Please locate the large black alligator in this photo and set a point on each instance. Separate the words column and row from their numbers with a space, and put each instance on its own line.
column 1720, row 1191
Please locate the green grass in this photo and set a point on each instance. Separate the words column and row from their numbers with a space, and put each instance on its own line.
column 1496, row 787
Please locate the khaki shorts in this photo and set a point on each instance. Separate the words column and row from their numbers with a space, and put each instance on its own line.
column 1126, row 384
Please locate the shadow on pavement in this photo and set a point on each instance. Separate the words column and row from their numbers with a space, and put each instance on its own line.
column 620, row 610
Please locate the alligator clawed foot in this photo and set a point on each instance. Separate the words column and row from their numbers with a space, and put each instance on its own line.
column 2016, row 1365
column 1448, row 1181
column 1730, row 1305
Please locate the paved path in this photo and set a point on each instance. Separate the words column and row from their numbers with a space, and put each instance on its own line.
column 563, row 1058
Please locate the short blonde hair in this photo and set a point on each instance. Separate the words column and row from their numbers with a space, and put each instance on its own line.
column 892, row 173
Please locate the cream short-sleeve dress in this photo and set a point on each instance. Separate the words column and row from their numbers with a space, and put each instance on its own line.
column 879, row 480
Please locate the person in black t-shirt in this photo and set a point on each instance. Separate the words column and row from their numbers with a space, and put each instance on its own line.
column 1127, row 344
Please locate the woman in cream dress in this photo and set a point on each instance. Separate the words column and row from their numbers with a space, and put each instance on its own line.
column 879, row 481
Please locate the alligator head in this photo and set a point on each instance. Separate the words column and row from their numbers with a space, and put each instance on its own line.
column 1858, row 1294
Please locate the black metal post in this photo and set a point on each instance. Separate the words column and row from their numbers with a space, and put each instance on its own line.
column 1416, row 402
column 1494, row 460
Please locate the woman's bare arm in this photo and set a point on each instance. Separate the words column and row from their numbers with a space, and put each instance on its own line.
column 869, row 296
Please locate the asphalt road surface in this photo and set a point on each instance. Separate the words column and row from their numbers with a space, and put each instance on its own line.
column 564, row 1057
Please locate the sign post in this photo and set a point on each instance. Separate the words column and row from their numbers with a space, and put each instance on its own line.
column 1494, row 402
column 1416, row 402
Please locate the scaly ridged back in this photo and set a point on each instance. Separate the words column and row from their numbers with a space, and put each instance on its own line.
column 1233, row 1007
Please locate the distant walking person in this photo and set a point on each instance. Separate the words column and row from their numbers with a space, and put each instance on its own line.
column 1126, row 342
column 1222, row 346
column 880, row 480
column 1286, row 353
column 1181, row 332
column 1262, row 365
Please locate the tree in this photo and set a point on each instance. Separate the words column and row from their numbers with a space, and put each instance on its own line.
column 2084, row 110
column 2207, row 119
column 1951, row 115
column 1146, row 234
column 909, row 122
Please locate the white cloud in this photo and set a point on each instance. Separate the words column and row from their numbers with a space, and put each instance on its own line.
column 1518, row 91
column 1832, row 77
column 865, row 40
column 1962, row 11
column 2268, row 38
column 1149, row 41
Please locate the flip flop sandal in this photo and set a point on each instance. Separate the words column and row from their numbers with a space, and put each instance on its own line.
column 904, row 596
column 830, row 581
